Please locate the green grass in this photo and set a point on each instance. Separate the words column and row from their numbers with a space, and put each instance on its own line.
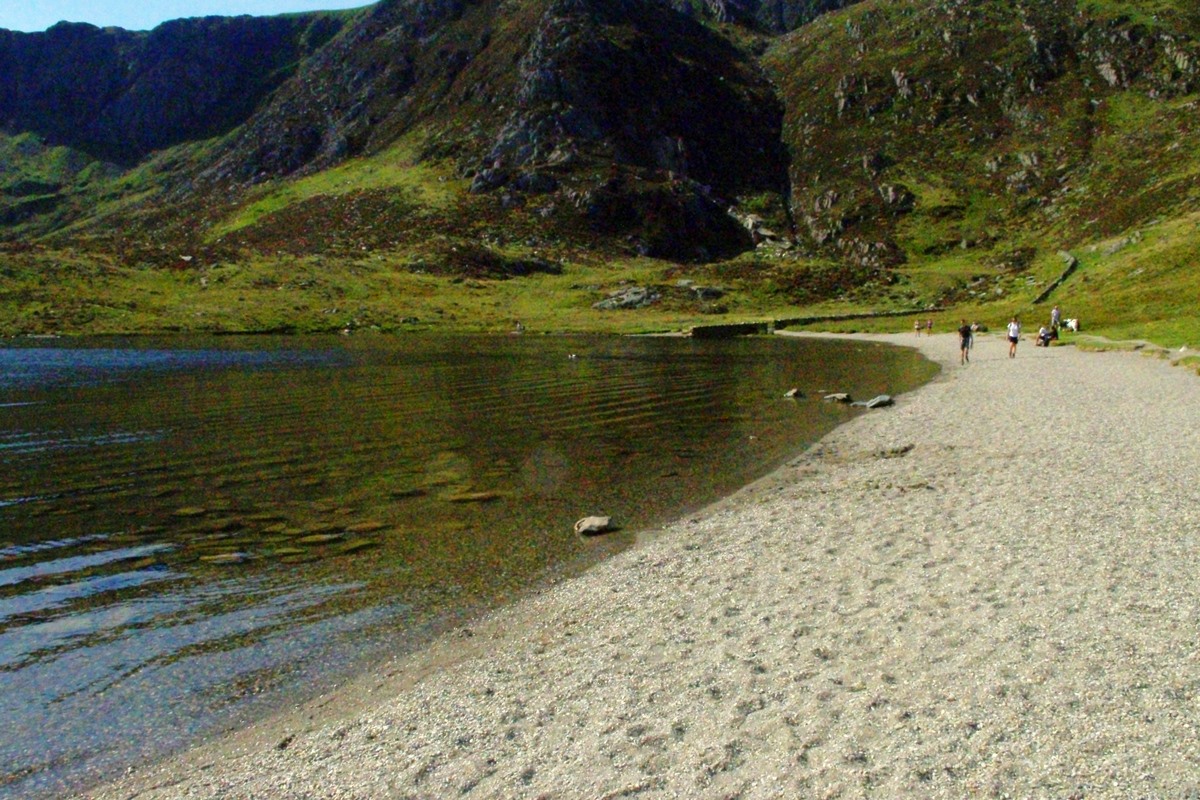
column 432, row 185
column 1146, row 12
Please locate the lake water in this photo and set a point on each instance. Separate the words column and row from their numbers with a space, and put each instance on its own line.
column 195, row 531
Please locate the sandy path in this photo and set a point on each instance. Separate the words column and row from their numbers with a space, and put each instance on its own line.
column 990, row 589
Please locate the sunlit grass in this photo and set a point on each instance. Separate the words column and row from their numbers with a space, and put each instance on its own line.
column 429, row 184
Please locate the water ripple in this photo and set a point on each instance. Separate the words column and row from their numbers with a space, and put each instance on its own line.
column 15, row 575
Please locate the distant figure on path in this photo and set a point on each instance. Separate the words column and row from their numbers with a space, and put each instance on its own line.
column 965, row 335
column 1055, row 320
column 917, row 327
column 1014, row 336
column 929, row 327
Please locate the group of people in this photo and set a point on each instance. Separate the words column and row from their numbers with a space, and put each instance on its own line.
column 926, row 326
column 1047, row 335
column 966, row 334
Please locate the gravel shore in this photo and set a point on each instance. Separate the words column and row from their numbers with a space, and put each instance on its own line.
column 990, row 589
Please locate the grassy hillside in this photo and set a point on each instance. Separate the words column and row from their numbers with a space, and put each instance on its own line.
column 957, row 149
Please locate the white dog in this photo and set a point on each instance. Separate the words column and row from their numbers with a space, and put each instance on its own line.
column 1072, row 325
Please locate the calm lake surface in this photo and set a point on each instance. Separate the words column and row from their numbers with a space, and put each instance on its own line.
column 195, row 531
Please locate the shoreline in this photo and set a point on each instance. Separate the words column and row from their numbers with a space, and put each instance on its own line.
column 985, row 589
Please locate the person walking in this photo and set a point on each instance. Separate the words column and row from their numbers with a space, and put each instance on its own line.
column 965, row 334
column 1014, row 336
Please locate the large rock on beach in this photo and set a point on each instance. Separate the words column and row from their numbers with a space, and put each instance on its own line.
column 593, row 526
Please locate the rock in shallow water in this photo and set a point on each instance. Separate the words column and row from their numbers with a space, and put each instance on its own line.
column 879, row 401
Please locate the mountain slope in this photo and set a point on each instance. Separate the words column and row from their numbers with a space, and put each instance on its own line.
column 580, row 99
column 985, row 136
column 79, row 104
column 117, row 95
column 883, row 154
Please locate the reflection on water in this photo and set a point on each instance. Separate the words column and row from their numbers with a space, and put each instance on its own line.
column 191, row 531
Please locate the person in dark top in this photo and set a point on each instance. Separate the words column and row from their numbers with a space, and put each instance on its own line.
column 965, row 334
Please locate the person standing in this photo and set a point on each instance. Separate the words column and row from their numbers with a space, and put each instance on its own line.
column 1055, row 320
column 965, row 334
column 1014, row 336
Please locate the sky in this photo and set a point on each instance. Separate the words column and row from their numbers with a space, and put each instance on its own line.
column 139, row 15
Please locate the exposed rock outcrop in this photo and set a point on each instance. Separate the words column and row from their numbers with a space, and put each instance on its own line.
column 117, row 95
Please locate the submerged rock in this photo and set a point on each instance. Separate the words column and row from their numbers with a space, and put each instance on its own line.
column 320, row 538
column 307, row 558
column 267, row 516
column 357, row 545
column 223, row 525
column 324, row 527
column 368, row 526
column 225, row 559
column 473, row 497
column 190, row 511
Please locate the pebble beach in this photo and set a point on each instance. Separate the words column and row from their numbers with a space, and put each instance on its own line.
column 989, row 589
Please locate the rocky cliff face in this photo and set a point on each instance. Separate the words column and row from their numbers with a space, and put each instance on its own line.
column 627, row 80
column 386, row 73
column 639, row 84
column 118, row 95
column 628, row 106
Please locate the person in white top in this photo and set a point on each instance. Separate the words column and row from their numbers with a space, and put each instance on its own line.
column 1014, row 336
